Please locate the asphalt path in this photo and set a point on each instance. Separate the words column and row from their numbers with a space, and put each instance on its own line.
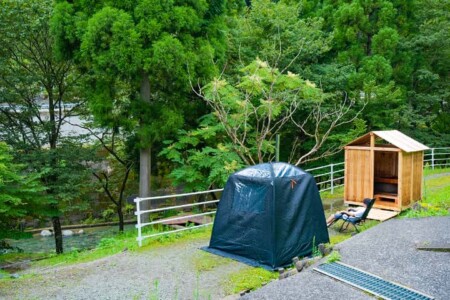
column 388, row 250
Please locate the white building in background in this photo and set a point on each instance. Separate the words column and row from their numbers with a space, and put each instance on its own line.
column 69, row 126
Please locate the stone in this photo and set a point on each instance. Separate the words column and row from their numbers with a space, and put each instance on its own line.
column 46, row 233
column 15, row 276
column 81, row 231
column 67, row 232
column 324, row 249
column 299, row 264
column 285, row 274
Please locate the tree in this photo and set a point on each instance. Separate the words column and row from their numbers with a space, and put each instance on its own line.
column 367, row 54
column 114, row 173
column 21, row 193
column 150, row 47
column 273, row 32
column 425, row 77
column 246, row 117
column 32, row 79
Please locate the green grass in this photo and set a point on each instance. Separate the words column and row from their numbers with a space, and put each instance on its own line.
column 121, row 242
column 249, row 278
column 429, row 171
column 337, row 193
column 333, row 257
column 436, row 196
column 339, row 238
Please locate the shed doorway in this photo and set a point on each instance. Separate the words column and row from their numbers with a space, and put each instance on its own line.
column 386, row 178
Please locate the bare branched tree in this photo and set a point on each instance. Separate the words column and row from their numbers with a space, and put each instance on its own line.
column 113, row 181
column 318, row 126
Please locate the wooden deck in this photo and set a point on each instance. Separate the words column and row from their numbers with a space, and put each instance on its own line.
column 381, row 214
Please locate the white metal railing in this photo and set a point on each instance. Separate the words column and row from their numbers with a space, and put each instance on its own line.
column 326, row 175
column 328, row 178
column 437, row 157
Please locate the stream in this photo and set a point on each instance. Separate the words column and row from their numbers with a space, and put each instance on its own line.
column 89, row 239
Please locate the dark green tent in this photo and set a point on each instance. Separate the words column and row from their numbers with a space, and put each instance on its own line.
column 268, row 214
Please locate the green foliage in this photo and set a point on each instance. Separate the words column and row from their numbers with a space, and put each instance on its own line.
column 315, row 248
column 272, row 31
column 21, row 192
column 31, row 75
column 200, row 168
column 123, row 45
column 65, row 174
column 108, row 213
column 334, row 256
column 240, row 131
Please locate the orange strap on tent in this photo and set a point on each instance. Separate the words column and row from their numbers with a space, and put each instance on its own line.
column 293, row 183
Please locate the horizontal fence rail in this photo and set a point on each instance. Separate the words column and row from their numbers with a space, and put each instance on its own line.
column 328, row 178
column 437, row 157
column 140, row 212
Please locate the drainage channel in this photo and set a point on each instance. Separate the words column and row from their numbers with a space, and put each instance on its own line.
column 369, row 283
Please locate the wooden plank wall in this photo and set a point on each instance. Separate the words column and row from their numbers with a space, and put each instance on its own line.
column 386, row 164
column 358, row 175
column 406, row 178
column 417, row 176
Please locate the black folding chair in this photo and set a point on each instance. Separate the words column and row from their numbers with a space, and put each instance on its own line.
column 355, row 221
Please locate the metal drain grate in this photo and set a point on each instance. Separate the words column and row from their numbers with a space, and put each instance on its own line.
column 368, row 282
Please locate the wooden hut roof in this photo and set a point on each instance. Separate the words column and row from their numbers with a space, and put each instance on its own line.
column 393, row 137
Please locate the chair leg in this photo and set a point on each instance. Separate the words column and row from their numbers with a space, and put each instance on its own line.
column 342, row 226
column 356, row 228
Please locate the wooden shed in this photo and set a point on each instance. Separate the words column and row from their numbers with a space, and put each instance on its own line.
column 385, row 165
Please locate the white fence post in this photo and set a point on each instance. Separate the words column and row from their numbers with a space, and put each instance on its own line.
column 432, row 158
column 138, row 225
column 332, row 178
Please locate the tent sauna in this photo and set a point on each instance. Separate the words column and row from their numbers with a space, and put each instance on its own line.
column 385, row 165
column 267, row 215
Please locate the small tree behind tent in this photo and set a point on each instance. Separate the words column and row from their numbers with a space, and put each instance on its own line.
column 268, row 214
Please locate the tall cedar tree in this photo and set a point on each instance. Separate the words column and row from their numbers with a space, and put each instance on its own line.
column 153, row 47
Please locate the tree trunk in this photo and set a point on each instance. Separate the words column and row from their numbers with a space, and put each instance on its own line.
column 58, row 235
column 121, row 221
column 53, row 137
column 145, row 154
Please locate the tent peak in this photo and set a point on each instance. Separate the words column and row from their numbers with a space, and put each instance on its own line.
column 271, row 170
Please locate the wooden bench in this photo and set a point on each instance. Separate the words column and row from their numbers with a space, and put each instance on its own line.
column 386, row 200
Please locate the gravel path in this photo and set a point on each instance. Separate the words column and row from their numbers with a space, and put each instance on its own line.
column 163, row 273
column 387, row 250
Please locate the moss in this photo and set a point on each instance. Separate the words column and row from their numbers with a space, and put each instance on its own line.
column 204, row 261
column 248, row 279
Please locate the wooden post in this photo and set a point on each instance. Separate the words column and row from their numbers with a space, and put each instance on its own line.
column 372, row 165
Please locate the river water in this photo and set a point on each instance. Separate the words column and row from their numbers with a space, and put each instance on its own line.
column 88, row 240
